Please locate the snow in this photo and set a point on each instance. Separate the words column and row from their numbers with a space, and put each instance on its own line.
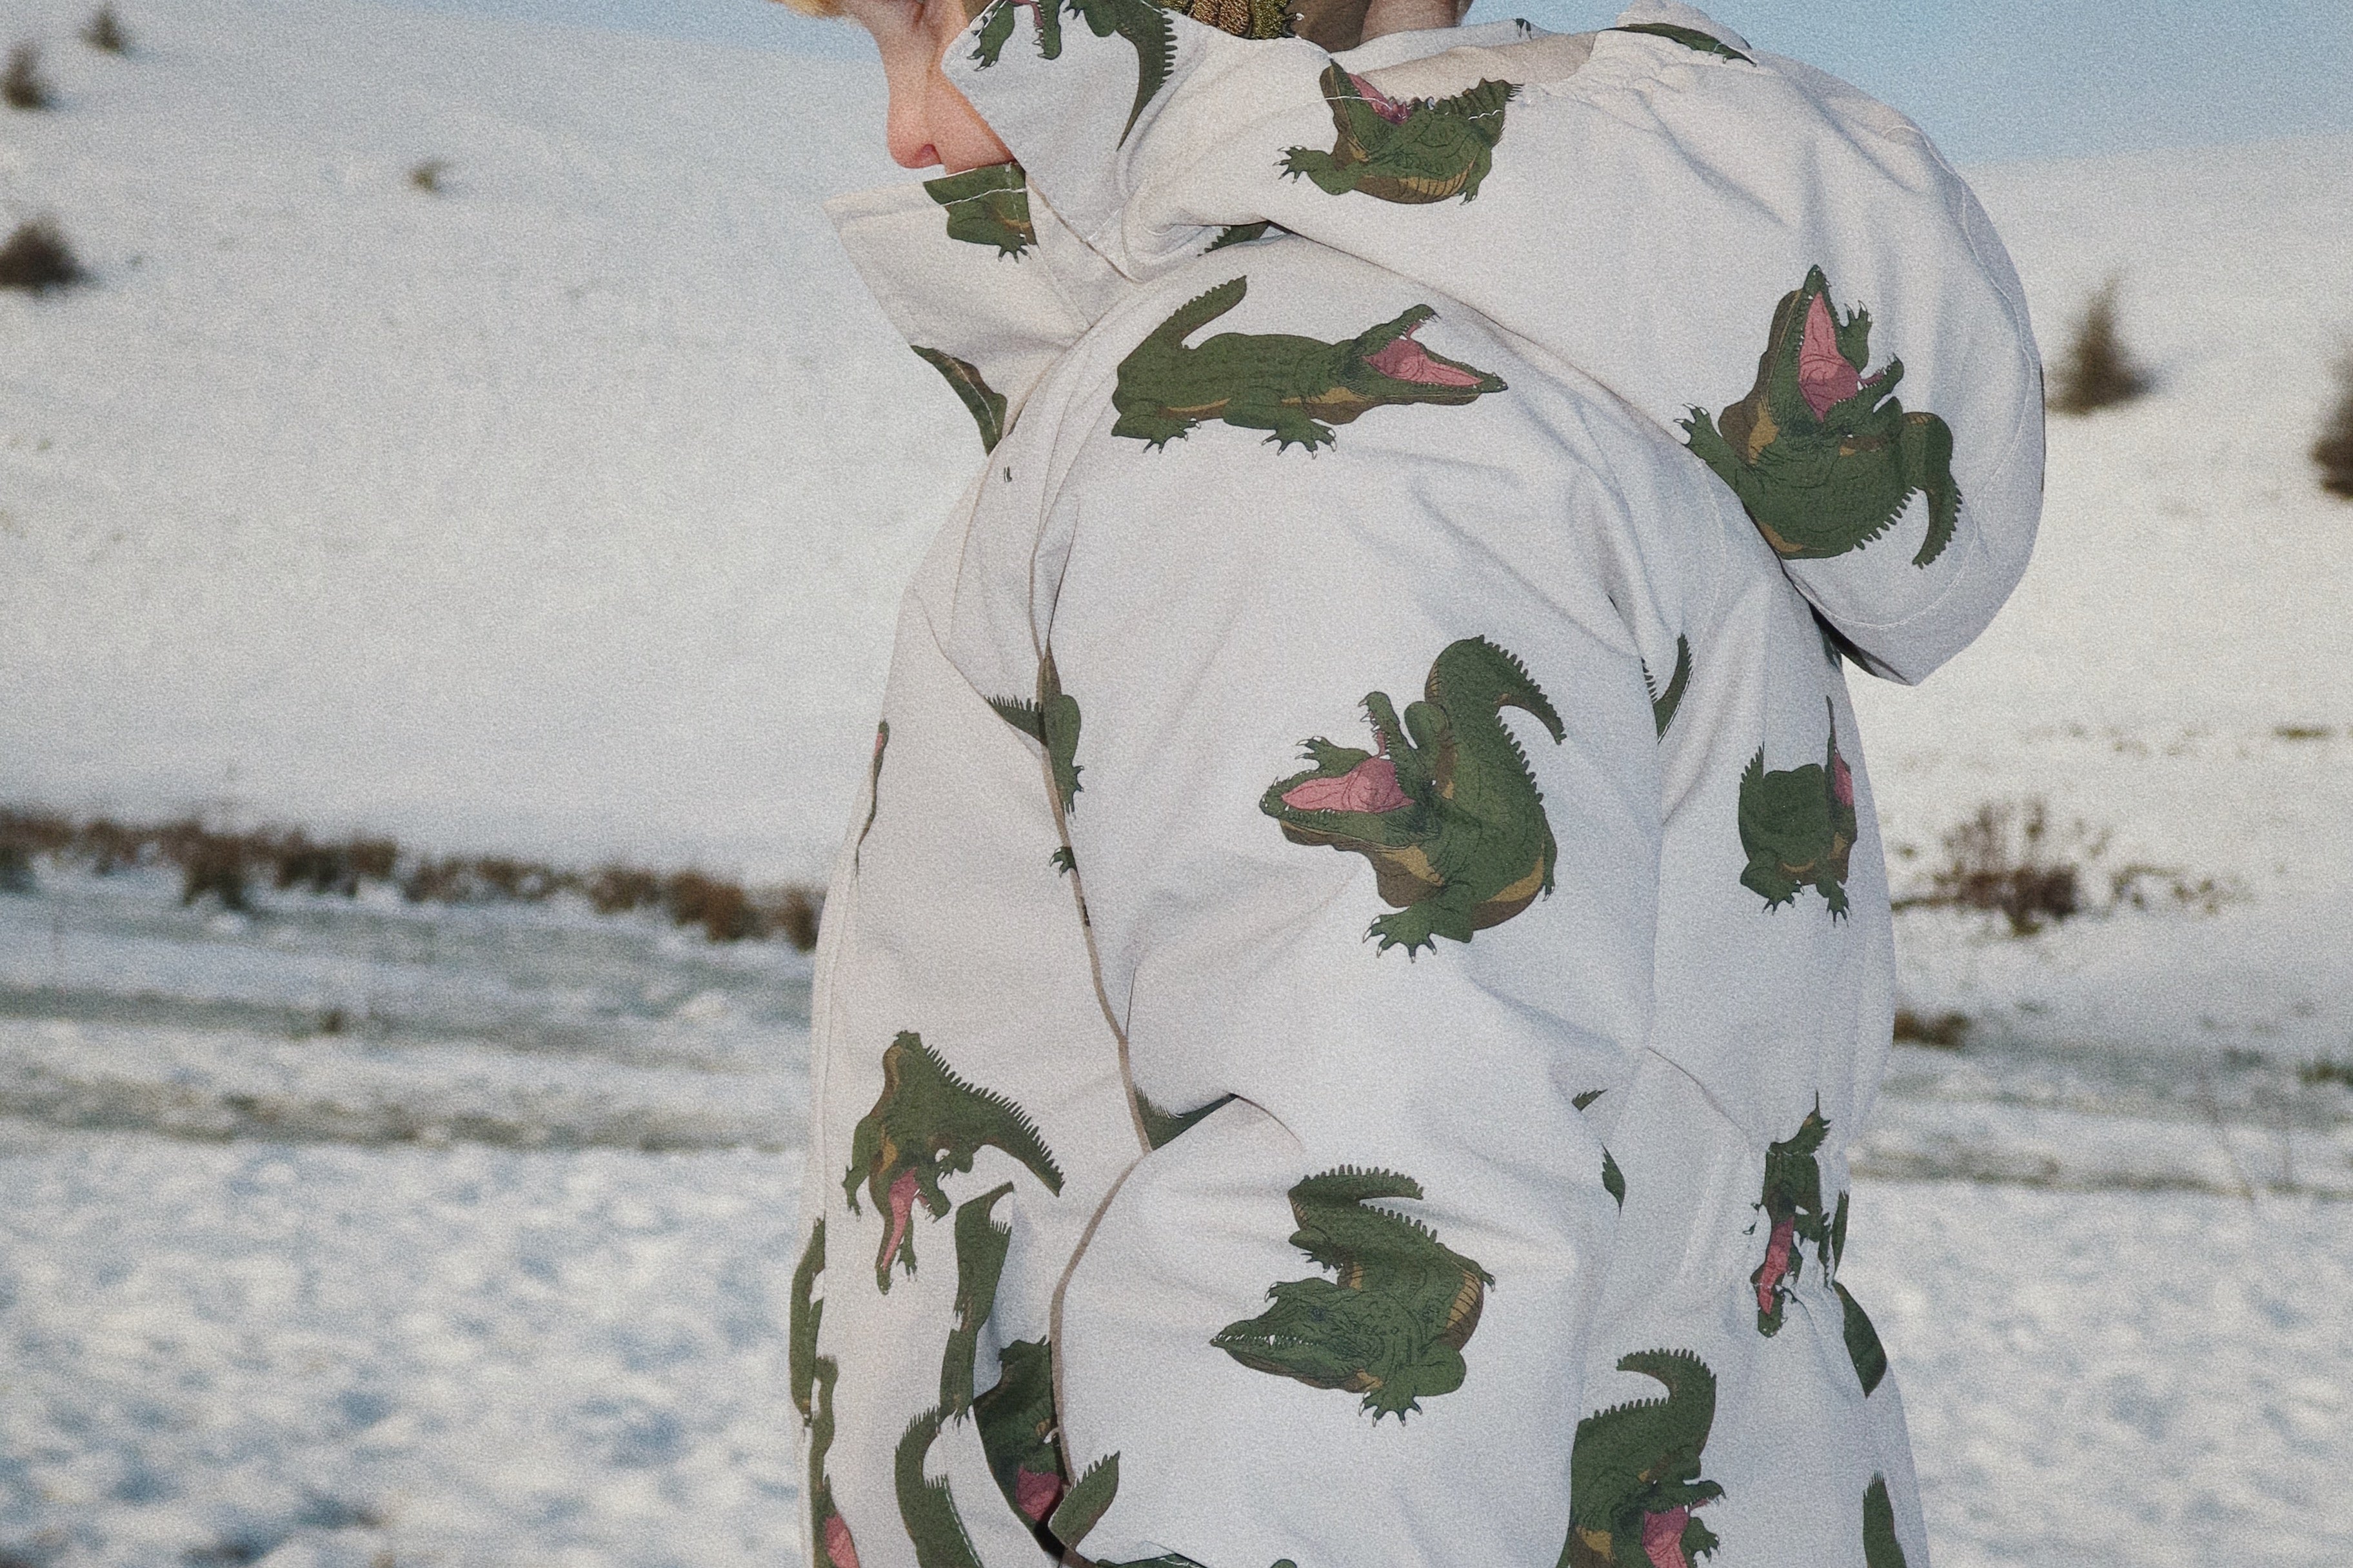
column 565, row 511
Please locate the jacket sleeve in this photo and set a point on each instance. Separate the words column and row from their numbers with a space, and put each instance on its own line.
column 1362, row 792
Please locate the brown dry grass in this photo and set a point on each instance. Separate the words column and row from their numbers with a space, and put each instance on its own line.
column 227, row 866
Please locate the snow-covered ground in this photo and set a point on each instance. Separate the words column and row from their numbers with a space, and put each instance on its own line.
column 347, row 1233
column 565, row 510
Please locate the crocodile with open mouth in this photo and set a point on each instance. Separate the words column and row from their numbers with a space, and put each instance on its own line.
column 1296, row 387
column 1446, row 811
column 1823, row 457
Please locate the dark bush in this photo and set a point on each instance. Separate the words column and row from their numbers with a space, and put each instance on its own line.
column 212, row 864
column 720, row 909
column 428, row 176
column 1945, row 1031
column 104, row 31
column 617, row 889
column 2005, row 859
column 36, row 256
column 16, row 870
column 2334, row 450
column 2099, row 372
column 22, row 85
column 795, row 915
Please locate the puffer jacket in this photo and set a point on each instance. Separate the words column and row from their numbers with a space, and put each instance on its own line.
column 1340, row 1018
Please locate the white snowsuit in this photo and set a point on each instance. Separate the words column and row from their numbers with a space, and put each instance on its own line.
column 1338, row 1025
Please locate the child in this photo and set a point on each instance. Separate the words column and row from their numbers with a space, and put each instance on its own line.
column 1339, row 1022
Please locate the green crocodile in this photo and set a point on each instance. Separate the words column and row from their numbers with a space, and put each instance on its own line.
column 813, row 1377
column 1634, row 1473
column 1824, row 460
column 1015, row 1418
column 1145, row 27
column 983, row 401
column 989, row 206
column 1052, row 720
column 1019, row 1432
column 927, row 1122
column 1792, row 1203
column 1414, row 151
column 1880, row 1547
column 1798, row 827
column 1393, row 1326
column 1296, row 387
column 1446, row 811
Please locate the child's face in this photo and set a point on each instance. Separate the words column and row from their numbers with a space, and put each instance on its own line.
column 931, row 123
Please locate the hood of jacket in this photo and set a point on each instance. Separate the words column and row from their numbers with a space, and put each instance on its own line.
column 1781, row 271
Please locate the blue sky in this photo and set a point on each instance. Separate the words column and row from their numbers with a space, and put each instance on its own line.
column 1989, row 79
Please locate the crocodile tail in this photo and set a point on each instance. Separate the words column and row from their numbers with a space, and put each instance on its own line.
column 1481, row 104
column 1926, row 443
column 1198, row 312
column 1145, row 27
column 1881, row 1549
column 1089, row 1499
column 1477, row 674
column 926, row 1507
column 1022, row 714
column 807, row 1313
column 981, row 1245
column 1347, row 1185
column 1665, row 703
column 1691, row 1389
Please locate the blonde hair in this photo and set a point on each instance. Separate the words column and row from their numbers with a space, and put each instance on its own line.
column 814, row 7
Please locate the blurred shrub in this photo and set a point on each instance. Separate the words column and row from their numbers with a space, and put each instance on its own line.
column 428, row 175
column 2334, row 450
column 2008, row 858
column 1945, row 1031
column 2004, row 860
column 225, row 866
column 22, row 85
column 2098, row 371
column 104, row 31
column 36, row 256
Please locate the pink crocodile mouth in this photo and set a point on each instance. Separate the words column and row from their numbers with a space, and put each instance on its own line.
column 1402, row 359
column 1841, row 781
column 903, row 1205
column 1662, row 1538
column 1823, row 373
column 1380, row 102
column 1035, row 1494
column 1371, row 786
column 839, row 1546
column 1777, row 1264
